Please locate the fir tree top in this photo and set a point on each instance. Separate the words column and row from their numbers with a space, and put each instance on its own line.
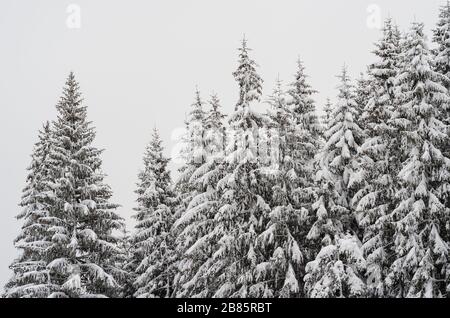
column 250, row 83
column 301, row 91
column 214, row 118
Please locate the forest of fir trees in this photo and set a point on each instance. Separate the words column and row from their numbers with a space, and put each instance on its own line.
column 271, row 201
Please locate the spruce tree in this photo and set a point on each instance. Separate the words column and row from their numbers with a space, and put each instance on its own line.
column 84, row 256
column 441, row 38
column 362, row 93
column 152, row 242
column 378, row 162
column 326, row 117
column 195, row 232
column 279, row 267
column 195, row 155
column 195, row 225
column 308, row 129
column 421, row 255
column 193, row 152
column 241, row 193
column 215, row 135
column 333, row 211
column 305, row 144
column 30, row 278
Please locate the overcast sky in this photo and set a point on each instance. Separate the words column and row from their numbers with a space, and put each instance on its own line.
column 138, row 63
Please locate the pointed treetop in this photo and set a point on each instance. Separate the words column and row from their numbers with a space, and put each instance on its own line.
column 300, row 66
column 249, row 81
column 197, row 113
column 71, row 99
column 344, row 78
column 277, row 99
column 278, row 83
column 244, row 44
column 215, row 115
column 214, row 101
column 156, row 139
column 300, row 87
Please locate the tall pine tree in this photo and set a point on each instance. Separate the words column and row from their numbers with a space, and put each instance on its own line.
column 152, row 242
column 241, row 201
column 327, row 110
column 195, row 155
column 279, row 268
column 378, row 161
column 31, row 276
column 195, row 225
column 338, row 268
column 421, row 255
column 84, row 255
column 215, row 135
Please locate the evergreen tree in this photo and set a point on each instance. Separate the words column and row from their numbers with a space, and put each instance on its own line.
column 326, row 117
column 30, row 277
column 378, row 157
column 421, row 255
column 305, row 145
column 298, row 131
column 152, row 242
column 362, row 94
column 334, row 215
column 240, row 194
column 308, row 129
column 278, row 270
column 126, row 265
column 195, row 154
column 215, row 136
column 442, row 65
column 195, row 224
column 441, row 37
column 83, row 257
column 195, row 235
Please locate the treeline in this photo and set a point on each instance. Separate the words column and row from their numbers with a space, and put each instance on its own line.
column 282, row 203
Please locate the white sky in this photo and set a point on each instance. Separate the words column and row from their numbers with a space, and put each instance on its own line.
column 138, row 63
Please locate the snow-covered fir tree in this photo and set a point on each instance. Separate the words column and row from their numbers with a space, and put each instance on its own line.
column 308, row 129
column 327, row 110
column 195, row 224
column 30, row 278
column 330, row 274
column 126, row 265
column 279, row 268
column 215, row 135
column 304, row 146
column 441, row 37
column 83, row 258
column 420, row 266
column 195, row 155
column 282, row 243
column 153, row 242
column 362, row 93
column 195, row 235
column 378, row 161
column 240, row 199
